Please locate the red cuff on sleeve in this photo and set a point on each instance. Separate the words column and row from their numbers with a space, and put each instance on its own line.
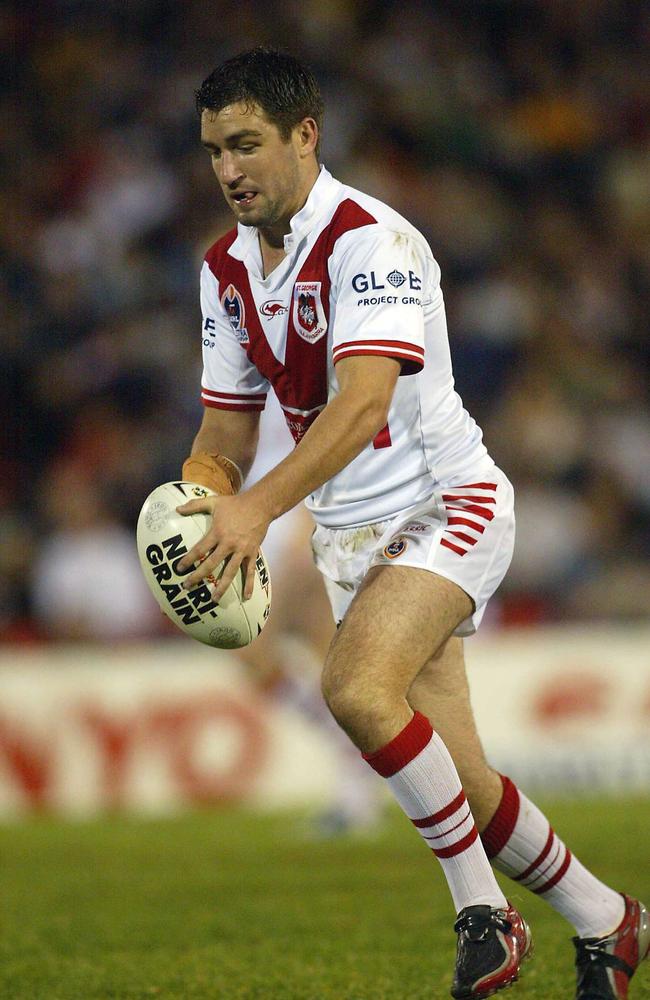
column 233, row 401
column 411, row 355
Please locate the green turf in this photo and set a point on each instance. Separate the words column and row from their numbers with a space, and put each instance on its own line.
column 231, row 905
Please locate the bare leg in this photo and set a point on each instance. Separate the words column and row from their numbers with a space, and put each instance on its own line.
column 399, row 617
column 524, row 844
column 440, row 691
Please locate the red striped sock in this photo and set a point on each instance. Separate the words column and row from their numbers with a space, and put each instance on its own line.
column 522, row 844
column 424, row 780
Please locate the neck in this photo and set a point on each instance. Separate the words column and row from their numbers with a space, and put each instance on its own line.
column 273, row 237
column 271, row 256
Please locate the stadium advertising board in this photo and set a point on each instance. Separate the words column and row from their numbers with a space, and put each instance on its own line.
column 156, row 729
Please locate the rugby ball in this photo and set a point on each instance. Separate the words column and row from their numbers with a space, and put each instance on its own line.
column 163, row 538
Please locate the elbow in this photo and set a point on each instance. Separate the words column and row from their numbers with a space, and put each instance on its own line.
column 372, row 416
column 367, row 385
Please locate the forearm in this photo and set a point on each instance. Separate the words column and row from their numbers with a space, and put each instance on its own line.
column 340, row 433
column 210, row 444
column 231, row 434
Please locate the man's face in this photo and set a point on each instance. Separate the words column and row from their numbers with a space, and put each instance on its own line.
column 262, row 176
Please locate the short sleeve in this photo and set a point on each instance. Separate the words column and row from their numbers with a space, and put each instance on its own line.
column 230, row 381
column 381, row 280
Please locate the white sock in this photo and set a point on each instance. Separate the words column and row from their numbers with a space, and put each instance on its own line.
column 424, row 780
column 522, row 844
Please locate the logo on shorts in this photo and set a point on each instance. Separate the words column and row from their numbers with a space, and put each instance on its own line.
column 395, row 548
column 233, row 306
column 308, row 313
column 416, row 528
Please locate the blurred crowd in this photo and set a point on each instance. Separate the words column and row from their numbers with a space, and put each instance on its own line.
column 514, row 133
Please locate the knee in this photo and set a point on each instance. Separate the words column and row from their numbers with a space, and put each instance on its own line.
column 341, row 693
column 354, row 701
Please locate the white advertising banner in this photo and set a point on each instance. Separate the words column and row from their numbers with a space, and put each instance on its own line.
column 156, row 728
column 565, row 708
column 152, row 729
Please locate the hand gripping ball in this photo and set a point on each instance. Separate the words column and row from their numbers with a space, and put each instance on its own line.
column 163, row 538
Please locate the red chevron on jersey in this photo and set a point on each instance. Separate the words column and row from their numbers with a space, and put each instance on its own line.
column 357, row 280
column 301, row 382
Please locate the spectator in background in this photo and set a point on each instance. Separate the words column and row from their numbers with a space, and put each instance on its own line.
column 522, row 155
column 87, row 581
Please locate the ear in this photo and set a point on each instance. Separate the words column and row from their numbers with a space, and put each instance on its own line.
column 307, row 135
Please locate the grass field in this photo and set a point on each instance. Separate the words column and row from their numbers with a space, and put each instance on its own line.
column 231, row 905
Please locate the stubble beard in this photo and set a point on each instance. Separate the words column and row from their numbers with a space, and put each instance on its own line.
column 260, row 218
column 276, row 210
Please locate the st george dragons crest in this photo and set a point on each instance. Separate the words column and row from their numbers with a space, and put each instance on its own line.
column 308, row 314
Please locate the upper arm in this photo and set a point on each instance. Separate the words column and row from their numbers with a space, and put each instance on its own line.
column 230, row 380
column 233, row 392
column 382, row 279
column 371, row 379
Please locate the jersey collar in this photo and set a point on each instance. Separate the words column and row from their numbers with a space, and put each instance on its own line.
column 318, row 201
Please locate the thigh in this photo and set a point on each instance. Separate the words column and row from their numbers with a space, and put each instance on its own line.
column 343, row 556
column 397, row 621
column 441, row 692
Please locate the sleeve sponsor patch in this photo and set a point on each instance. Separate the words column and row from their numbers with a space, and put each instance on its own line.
column 374, row 288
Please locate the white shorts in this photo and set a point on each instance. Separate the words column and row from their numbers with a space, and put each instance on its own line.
column 464, row 533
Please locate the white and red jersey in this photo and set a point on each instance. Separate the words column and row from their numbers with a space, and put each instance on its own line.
column 357, row 279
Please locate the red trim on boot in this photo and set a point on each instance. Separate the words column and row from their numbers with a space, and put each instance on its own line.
column 403, row 748
column 499, row 830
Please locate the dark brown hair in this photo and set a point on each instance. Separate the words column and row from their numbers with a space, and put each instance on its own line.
column 285, row 89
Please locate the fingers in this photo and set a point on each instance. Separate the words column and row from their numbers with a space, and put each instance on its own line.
column 203, row 548
column 199, row 553
column 209, row 570
column 206, row 557
column 248, row 569
column 230, row 570
column 224, row 547
column 204, row 505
